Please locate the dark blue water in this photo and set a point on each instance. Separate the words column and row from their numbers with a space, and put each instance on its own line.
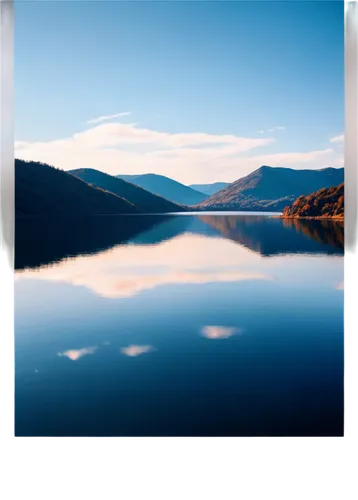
column 210, row 325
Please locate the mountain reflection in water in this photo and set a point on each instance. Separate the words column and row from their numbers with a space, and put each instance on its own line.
column 42, row 241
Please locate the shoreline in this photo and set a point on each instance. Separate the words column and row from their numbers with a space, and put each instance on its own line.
column 319, row 217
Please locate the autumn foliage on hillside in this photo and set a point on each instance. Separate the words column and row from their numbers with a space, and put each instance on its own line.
column 325, row 203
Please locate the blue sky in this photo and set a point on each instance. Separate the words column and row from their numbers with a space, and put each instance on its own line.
column 213, row 88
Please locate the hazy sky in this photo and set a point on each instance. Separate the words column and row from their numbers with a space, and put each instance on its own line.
column 198, row 91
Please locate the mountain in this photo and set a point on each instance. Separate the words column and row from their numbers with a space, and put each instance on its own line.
column 209, row 189
column 147, row 202
column 325, row 203
column 43, row 190
column 166, row 187
column 271, row 188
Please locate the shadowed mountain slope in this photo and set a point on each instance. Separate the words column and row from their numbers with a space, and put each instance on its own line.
column 143, row 199
column 43, row 190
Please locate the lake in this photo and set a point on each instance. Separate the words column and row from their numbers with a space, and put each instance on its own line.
column 179, row 325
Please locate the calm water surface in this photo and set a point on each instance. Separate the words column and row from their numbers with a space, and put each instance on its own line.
column 187, row 325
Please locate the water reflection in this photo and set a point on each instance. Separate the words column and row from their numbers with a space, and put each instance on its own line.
column 136, row 350
column 42, row 242
column 179, row 326
column 220, row 332
column 272, row 236
column 127, row 270
column 75, row 354
column 196, row 250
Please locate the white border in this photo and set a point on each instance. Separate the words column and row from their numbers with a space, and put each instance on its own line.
column 351, row 128
column 6, row 130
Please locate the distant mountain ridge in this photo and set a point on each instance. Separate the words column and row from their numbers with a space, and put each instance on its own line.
column 271, row 188
column 325, row 203
column 166, row 187
column 141, row 198
column 43, row 190
column 209, row 189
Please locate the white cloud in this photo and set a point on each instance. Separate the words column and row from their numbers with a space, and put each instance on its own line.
column 193, row 157
column 118, row 134
column 220, row 332
column 337, row 139
column 75, row 354
column 136, row 350
column 109, row 117
column 272, row 130
column 129, row 149
column 279, row 128
column 21, row 145
column 284, row 159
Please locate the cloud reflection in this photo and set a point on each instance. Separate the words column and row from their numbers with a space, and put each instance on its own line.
column 220, row 332
column 136, row 350
column 125, row 271
column 75, row 354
